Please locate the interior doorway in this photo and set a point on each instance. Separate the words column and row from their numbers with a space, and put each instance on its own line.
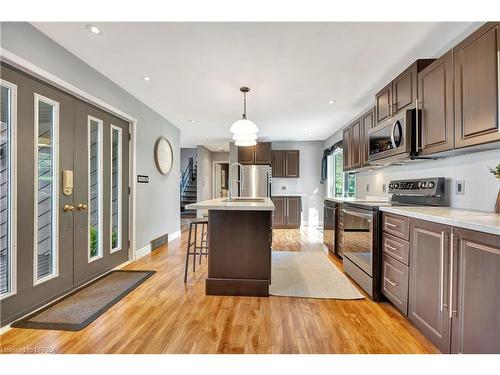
column 220, row 177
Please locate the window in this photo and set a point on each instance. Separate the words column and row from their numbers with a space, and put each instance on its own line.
column 46, row 189
column 340, row 183
column 116, row 188
column 7, row 192
column 95, row 188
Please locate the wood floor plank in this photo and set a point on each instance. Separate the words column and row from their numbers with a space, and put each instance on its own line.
column 164, row 315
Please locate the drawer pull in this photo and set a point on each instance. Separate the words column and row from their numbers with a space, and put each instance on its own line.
column 391, row 225
column 390, row 281
column 392, row 248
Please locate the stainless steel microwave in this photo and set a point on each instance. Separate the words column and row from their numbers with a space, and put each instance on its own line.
column 393, row 140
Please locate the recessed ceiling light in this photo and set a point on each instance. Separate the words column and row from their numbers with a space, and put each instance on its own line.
column 146, row 78
column 331, row 102
column 94, row 29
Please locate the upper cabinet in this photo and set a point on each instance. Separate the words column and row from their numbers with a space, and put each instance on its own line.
column 400, row 93
column 435, row 96
column 356, row 144
column 477, row 86
column 346, row 146
column 355, row 141
column 258, row 154
column 367, row 122
column 286, row 163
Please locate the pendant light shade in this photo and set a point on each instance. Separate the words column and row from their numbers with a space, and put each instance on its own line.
column 244, row 130
column 244, row 126
column 246, row 143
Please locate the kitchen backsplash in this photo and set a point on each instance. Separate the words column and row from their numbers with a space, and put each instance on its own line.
column 480, row 187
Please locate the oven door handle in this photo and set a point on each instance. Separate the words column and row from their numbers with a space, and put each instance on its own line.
column 359, row 214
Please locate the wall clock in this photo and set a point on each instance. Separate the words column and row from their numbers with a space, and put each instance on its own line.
column 163, row 156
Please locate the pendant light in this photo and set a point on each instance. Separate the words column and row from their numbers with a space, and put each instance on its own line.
column 244, row 131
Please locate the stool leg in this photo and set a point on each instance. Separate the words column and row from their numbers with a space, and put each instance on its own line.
column 195, row 246
column 187, row 254
column 203, row 233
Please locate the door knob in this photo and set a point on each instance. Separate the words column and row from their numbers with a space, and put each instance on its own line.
column 68, row 208
column 82, row 207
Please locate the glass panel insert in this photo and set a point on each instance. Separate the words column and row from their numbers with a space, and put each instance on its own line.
column 46, row 121
column 116, row 190
column 95, row 188
column 6, row 190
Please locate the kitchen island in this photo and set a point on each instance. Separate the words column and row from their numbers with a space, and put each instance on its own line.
column 240, row 237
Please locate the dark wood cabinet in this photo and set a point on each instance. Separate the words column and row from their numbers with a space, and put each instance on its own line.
column 287, row 212
column 286, row 163
column 429, row 281
column 395, row 282
column 476, row 323
column 435, row 96
column 476, row 68
column 346, row 146
column 355, row 154
column 258, row 154
column 400, row 93
column 367, row 122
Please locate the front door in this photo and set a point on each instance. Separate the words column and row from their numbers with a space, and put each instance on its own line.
column 63, row 192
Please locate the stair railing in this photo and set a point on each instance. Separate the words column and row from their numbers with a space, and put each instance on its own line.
column 188, row 174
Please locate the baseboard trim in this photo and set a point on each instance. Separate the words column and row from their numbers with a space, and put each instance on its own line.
column 142, row 252
column 174, row 235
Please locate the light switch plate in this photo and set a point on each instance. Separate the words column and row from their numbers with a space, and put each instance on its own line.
column 460, row 187
column 367, row 188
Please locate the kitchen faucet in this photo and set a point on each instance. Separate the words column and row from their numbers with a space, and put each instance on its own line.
column 240, row 181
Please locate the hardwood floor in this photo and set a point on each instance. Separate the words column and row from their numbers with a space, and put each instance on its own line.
column 164, row 315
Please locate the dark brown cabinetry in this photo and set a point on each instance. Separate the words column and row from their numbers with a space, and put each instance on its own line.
column 476, row 68
column 355, row 142
column 346, row 147
column 435, row 97
column 286, row 163
column 287, row 212
column 258, row 154
column 399, row 94
column 367, row 122
column 428, row 306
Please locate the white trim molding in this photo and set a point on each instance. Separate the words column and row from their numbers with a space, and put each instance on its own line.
column 174, row 235
column 142, row 252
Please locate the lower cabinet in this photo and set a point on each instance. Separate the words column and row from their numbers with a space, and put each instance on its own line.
column 395, row 282
column 287, row 212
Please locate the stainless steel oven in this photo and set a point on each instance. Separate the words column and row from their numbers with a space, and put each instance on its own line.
column 360, row 236
column 393, row 140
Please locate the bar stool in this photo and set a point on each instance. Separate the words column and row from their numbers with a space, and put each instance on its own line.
column 193, row 247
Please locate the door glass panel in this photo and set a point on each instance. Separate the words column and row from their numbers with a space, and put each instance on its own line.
column 95, row 188
column 46, row 122
column 6, row 190
column 116, row 179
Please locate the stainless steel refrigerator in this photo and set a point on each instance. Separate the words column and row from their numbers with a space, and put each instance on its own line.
column 255, row 181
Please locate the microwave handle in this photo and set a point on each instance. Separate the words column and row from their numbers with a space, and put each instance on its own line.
column 393, row 141
column 417, row 135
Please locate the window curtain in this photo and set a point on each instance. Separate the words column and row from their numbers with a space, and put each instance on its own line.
column 324, row 160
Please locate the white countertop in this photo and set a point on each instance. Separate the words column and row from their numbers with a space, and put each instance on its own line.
column 220, row 204
column 474, row 220
column 285, row 194
column 358, row 200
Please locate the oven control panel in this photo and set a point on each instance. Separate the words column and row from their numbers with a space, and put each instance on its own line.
column 420, row 187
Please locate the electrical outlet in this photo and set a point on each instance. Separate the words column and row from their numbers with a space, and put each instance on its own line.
column 283, row 187
column 460, row 187
column 384, row 188
column 367, row 188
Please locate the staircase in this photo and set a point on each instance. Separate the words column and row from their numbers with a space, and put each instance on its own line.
column 188, row 188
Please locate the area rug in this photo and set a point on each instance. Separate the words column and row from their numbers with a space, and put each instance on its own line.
column 84, row 305
column 309, row 275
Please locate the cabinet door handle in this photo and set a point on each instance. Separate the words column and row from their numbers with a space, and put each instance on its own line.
column 390, row 224
column 390, row 281
column 450, row 307
column 392, row 248
column 441, row 282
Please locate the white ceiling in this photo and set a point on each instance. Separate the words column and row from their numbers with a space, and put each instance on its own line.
column 293, row 70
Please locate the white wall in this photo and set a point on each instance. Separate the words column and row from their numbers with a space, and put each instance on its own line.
column 308, row 183
column 481, row 187
column 158, row 203
column 204, row 174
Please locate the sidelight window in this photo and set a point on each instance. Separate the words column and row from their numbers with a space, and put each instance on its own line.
column 95, row 188
column 340, row 183
column 46, row 189
column 116, row 188
column 7, row 189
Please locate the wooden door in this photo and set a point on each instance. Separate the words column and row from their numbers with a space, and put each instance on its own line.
column 292, row 163
column 278, row 163
column 404, row 89
column 355, row 150
column 476, row 325
column 279, row 215
column 263, row 153
column 383, row 104
column 429, row 281
column 435, row 96
column 346, row 146
column 476, row 67
column 293, row 212
column 367, row 122
column 246, row 154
